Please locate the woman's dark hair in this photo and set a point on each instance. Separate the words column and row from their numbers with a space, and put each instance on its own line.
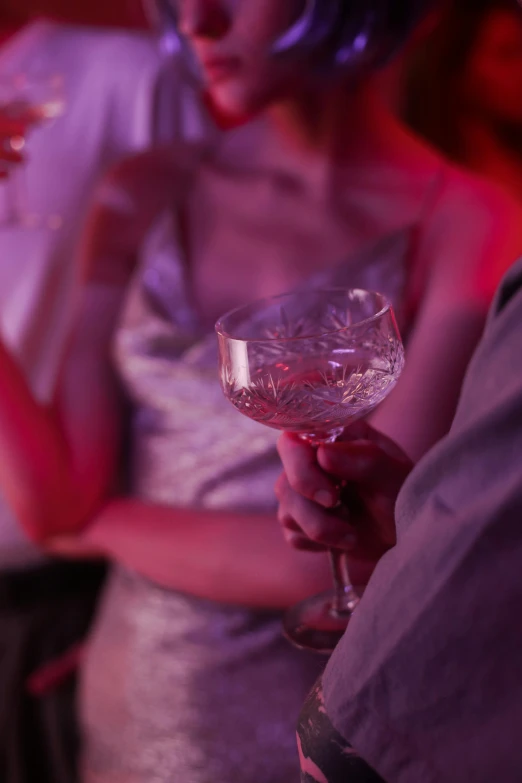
column 431, row 104
column 353, row 33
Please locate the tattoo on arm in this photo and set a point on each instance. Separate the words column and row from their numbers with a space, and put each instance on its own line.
column 325, row 756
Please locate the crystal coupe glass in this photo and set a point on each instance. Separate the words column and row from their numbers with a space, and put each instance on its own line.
column 311, row 363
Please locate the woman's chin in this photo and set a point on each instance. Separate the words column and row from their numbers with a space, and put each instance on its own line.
column 232, row 104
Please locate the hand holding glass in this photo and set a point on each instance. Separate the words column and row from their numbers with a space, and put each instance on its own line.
column 311, row 363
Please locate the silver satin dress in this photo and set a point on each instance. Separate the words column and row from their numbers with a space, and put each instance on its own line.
column 177, row 689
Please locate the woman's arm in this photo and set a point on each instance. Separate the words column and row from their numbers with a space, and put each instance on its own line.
column 58, row 462
column 231, row 557
column 469, row 242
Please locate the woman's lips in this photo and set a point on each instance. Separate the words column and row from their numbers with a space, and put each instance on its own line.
column 219, row 69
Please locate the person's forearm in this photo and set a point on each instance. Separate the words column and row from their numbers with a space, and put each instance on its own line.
column 230, row 557
column 34, row 464
column 53, row 470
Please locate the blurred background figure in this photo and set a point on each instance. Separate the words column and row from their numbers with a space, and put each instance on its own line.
column 463, row 91
column 110, row 88
column 108, row 92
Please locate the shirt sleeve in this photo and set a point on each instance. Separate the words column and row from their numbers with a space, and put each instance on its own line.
column 425, row 684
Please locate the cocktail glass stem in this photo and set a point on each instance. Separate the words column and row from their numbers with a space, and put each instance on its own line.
column 345, row 598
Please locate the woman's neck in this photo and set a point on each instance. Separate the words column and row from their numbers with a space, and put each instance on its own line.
column 318, row 141
column 317, row 122
column 315, row 134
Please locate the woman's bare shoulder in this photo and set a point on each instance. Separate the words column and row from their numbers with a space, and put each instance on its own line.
column 457, row 192
column 470, row 193
column 474, row 230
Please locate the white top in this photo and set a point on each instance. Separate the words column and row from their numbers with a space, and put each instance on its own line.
column 112, row 84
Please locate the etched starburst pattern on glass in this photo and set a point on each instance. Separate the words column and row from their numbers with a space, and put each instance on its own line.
column 316, row 373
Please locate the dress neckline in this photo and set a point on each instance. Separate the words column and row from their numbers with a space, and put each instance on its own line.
column 371, row 252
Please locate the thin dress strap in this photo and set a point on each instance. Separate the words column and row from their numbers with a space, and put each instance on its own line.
column 417, row 270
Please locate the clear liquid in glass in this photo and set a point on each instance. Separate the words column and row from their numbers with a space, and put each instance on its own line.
column 314, row 395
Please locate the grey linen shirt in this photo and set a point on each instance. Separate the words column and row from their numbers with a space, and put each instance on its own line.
column 426, row 684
